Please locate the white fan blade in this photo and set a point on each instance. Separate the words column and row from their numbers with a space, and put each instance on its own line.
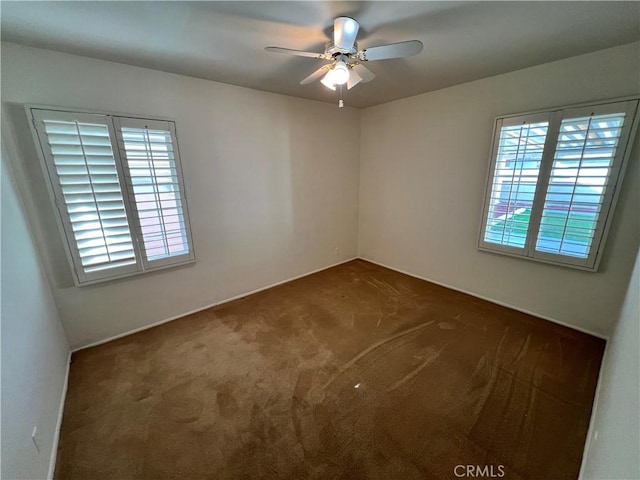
column 316, row 75
column 354, row 79
column 366, row 74
column 393, row 50
column 345, row 30
column 297, row 53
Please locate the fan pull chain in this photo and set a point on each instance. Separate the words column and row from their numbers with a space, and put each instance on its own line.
column 340, row 102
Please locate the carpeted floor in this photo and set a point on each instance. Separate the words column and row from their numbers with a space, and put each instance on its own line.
column 356, row 372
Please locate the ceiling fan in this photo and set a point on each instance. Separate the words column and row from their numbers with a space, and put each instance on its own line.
column 346, row 60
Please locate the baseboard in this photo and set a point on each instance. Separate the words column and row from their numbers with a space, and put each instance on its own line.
column 594, row 408
column 221, row 302
column 482, row 297
column 236, row 297
column 56, row 434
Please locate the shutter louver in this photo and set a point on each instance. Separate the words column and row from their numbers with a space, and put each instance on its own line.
column 154, row 187
column 579, row 179
column 88, row 182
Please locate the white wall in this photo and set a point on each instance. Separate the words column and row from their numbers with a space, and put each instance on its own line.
column 35, row 352
column 613, row 450
column 424, row 164
column 275, row 183
column 272, row 184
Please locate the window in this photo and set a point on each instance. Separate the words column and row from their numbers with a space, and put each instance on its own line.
column 553, row 182
column 117, row 186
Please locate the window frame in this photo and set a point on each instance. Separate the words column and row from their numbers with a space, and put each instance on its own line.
column 616, row 176
column 141, row 265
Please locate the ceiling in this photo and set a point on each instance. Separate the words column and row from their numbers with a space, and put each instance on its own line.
column 224, row 41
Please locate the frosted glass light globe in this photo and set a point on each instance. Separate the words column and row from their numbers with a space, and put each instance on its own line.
column 340, row 73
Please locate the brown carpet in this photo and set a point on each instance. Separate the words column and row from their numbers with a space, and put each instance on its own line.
column 351, row 373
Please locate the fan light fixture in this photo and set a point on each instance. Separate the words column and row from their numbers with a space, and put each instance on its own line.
column 338, row 75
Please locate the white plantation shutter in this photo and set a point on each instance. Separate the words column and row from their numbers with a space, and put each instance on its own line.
column 519, row 147
column 86, row 183
column 121, row 203
column 585, row 171
column 154, row 185
column 553, row 182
